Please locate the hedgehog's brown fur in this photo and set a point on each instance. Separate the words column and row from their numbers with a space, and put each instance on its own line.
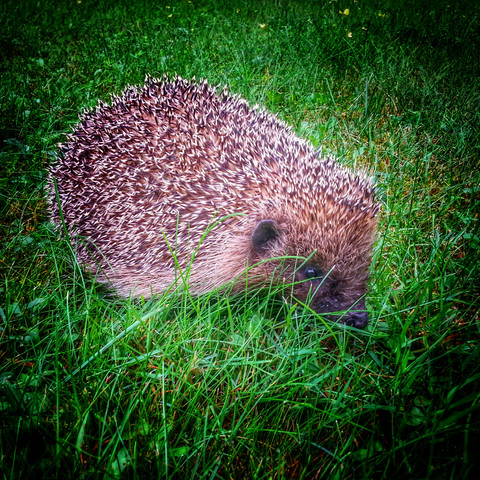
column 149, row 173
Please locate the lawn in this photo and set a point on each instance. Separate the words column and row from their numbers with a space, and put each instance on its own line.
column 249, row 387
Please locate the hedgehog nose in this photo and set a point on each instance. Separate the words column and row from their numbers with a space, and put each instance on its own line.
column 355, row 319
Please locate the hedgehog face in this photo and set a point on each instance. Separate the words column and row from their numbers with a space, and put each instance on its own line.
column 328, row 294
column 335, row 290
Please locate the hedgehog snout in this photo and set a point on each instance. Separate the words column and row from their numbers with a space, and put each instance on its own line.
column 355, row 319
column 355, row 313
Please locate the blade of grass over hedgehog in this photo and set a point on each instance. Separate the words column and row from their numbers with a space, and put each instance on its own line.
column 180, row 271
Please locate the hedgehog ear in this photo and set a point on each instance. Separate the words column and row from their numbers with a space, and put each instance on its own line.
column 265, row 232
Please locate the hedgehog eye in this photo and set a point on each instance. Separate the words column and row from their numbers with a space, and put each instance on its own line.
column 312, row 272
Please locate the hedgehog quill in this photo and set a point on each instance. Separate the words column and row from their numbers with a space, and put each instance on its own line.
column 140, row 181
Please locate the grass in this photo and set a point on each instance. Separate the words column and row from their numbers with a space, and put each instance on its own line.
column 249, row 387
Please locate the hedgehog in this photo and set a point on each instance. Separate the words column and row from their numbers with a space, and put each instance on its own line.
column 178, row 179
